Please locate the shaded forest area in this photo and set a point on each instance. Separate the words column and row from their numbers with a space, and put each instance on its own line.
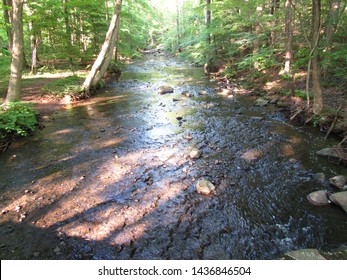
column 292, row 53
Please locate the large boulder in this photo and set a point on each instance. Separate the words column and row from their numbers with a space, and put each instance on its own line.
column 205, row 187
column 339, row 182
column 318, row 198
column 165, row 89
column 340, row 199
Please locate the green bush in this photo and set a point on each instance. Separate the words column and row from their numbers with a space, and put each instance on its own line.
column 17, row 119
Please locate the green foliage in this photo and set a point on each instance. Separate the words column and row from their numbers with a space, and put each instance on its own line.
column 17, row 119
column 71, row 85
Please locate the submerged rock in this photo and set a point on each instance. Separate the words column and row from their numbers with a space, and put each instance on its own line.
column 318, row 198
column 205, row 187
column 165, row 89
column 306, row 254
column 340, row 199
column 339, row 182
column 195, row 153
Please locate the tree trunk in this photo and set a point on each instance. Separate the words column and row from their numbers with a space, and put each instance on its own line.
column 68, row 31
column 316, row 75
column 258, row 29
column 178, row 26
column 332, row 20
column 275, row 5
column 208, row 65
column 289, row 28
column 34, row 43
column 331, row 26
column 101, row 64
column 8, row 21
column 14, row 87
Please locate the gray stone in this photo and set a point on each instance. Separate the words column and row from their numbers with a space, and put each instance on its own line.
column 261, row 102
column 306, row 254
column 340, row 199
column 195, row 153
column 320, row 177
column 165, row 89
column 318, row 198
column 205, row 187
column 203, row 92
column 328, row 152
column 339, row 181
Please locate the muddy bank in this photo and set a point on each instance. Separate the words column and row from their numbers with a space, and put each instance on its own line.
column 113, row 178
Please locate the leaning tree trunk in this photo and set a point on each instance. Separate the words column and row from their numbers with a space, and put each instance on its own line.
column 101, row 64
column 14, row 87
column 316, row 75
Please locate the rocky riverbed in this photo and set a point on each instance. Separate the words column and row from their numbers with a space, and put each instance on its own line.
column 115, row 177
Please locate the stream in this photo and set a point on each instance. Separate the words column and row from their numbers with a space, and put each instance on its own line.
column 111, row 177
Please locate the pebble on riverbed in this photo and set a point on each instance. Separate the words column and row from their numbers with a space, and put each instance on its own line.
column 205, row 187
column 165, row 89
column 195, row 153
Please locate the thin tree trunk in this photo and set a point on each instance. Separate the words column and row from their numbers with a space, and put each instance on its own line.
column 316, row 75
column 8, row 21
column 208, row 37
column 289, row 28
column 101, row 64
column 68, row 31
column 178, row 25
column 14, row 87
column 256, row 44
column 331, row 26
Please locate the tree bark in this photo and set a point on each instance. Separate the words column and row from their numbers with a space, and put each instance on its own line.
column 316, row 75
column 68, row 31
column 101, row 64
column 14, row 87
column 289, row 28
column 332, row 20
column 8, row 21
column 178, row 26
column 208, row 65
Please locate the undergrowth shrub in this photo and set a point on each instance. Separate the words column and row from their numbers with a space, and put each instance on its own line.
column 17, row 119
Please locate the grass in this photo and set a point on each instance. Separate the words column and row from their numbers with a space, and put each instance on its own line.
column 70, row 85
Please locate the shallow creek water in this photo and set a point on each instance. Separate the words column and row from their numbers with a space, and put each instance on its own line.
column 111, row 177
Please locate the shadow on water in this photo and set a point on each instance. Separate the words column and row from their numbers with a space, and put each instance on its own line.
column 111, row 178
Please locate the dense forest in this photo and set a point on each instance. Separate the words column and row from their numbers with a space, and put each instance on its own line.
column 287, row 48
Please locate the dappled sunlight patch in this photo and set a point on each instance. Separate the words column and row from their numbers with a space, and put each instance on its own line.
column 273, row 85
